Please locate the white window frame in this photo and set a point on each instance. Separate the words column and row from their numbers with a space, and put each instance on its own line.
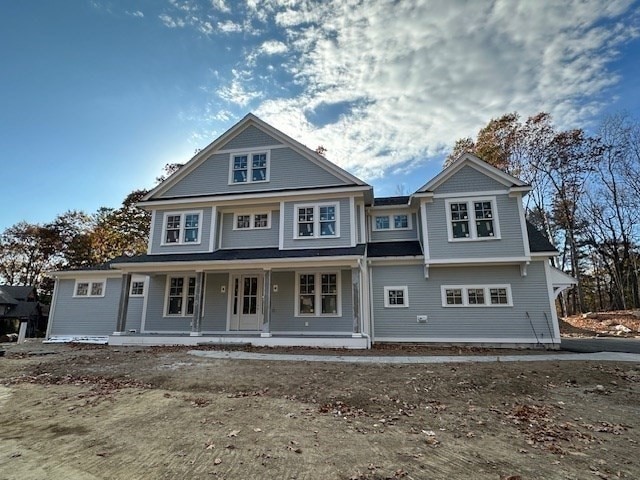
column 391, row 214
column 182, row 215
column 252, row 220
column 141, row 280
column 405, row 295
column 318, row 294
column 316, row 219
column 90, row 284
column 249, row 154
column 465, row 296
column 185, row 297
column 473, row 233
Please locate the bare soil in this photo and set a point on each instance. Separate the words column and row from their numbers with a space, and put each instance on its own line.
column 97, row 412
column 620, row 323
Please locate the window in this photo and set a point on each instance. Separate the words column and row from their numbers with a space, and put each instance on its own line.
column 316, row 221
column 250, row 221
column 318, row 294
column 473, row 219
column 249, row 167
column 476, row 296
column 182, row 228
column 137, row 288
column 87, row 288
column 392, row 221
column 396, row 297
column 181, row 294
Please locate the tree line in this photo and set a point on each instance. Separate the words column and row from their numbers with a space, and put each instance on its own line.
column 585, row 198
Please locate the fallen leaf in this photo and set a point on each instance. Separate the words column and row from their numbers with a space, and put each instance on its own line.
column 257, row 430
column 217, row 461
column 233, row 433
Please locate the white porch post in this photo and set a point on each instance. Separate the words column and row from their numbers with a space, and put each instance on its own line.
column 355, row 283
column 266, row 305
column 196, row 322
column 123, row 305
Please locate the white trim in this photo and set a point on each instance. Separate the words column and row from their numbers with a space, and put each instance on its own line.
column 286, row 195
column 405, row 296
column 544, row 254
column 214, row 227
column 363, row 224
column 182, row 214
column 465, row 295
column 250, row 149
column 152, row 230
column 523, row 227
column 249, row 153
column 425, row 230
column 352, row 220
column 252, row 220
column 471, row 220
column 220, row 229
column 318, row 294
column 138, row 279
column 476, row 261
column 552, row 301
column 185, row 296
column 90, row 282
column 316, row 220
column 281, row 225
column 52, row 309
column 457, row 340
column 391, row 214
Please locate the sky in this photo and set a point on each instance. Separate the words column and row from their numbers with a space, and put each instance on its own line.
column 96, row 96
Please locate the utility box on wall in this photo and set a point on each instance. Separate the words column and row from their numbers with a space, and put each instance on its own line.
column 422, row 318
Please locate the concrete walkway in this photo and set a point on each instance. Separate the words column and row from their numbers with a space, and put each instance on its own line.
column 239, row 355
column 601, row 344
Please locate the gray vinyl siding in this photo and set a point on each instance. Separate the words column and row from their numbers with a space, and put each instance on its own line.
column 85, row 316
column 468, row 179
column 205, row 234
column 215, row 303
column 510, row 243
column 134, row 313
column 156, row 321
column 288, row 169
column 344, row 220
column 250, row 137
column 250, row 238
column 391, row 235
column 283, row 317
column 358, row 221
column 529, row 294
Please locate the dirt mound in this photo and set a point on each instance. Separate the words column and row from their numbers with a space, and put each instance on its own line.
column 621, row 323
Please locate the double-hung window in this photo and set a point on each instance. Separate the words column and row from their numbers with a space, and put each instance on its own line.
column 318, row 294
column 181, row 294
column 316, row 221
column 476, row 296
column 182, row 228
column 396, row 297
column 137, row 288
column 89, row 288
column 250, row 221
column 249, row 167
column 472, row 219
column 392, row 221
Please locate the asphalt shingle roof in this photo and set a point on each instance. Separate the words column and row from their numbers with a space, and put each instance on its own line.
column 394, row 249
column 537, row 241
column 387, row 201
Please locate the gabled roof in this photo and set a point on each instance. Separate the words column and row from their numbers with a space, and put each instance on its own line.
column 467, row 159
column 251, row 119
column 6, row 299
column 538, row 242
column 17, row 292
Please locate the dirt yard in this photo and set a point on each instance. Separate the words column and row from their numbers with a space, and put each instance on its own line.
column 73, row 412
column 621, row 323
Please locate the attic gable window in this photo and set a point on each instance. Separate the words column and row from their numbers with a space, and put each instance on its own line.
column 472, row 219
column 249, row 167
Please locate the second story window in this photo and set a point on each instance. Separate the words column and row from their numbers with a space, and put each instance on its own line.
column 249, row 167
column 181, row 228
column 392, row 221
column 473, row 219
column 316, row 221
column 251, row 221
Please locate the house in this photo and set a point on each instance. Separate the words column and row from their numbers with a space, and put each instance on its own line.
column 20, row 304
column 258, row 239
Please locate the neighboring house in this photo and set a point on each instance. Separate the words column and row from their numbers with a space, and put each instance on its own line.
column 20, row 304
column 259, row 239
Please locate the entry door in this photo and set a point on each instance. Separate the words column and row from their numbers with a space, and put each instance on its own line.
column 246, row 302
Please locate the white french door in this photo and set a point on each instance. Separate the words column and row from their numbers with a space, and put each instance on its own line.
column 246, row 302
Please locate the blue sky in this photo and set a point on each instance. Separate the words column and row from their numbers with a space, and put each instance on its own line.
column 97, row 95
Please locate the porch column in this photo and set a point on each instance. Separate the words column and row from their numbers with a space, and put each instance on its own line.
column 355, row 282
column 123, row 305
column 196, row 322
column 266, row 305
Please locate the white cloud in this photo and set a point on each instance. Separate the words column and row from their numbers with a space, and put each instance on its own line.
column 236, row 92
column 171, row 22
column 136, row 13
column 273, row 47
column 221, row 6
column 418, row 75
column 229, row 27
